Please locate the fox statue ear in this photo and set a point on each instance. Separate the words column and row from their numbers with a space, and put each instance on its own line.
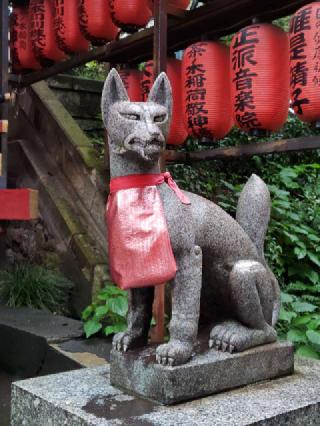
column 113, row 91
column 161, row 92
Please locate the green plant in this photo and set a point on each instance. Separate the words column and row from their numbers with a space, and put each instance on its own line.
column 35, row 286
column 300, row 322
column 108, row 312
column 92, row 70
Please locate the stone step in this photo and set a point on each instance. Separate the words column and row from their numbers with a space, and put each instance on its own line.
column 85, row 397
column 38, row 342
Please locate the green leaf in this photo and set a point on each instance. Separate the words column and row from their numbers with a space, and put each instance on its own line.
column 314, row 324
column 286, row 298
column 113, row 290
column 119, row 306
column 313, row 337
column 300, row 252
column 313, row 276
column 103, row 296
column 296, row 336
column 301, row 320
column 286, row 315
column 297, row 286
column 314, row 258
column 314, row 238
column 303, row 307
column 308, row 352
column 91, row 327
column 116, row 328
column 102, row 311
column 86, row 313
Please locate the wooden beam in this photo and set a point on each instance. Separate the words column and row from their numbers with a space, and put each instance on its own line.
column 18, row 204
column 264, row 148
column 217, row 18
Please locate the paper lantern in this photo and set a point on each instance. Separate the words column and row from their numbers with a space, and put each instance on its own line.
column 179, row 4
column 43, row 31
column 206, row 90
column 22, row 55
column 305, row 62
column 132, row 81
column 95, row 21
column 67, row 26
column 260, row 78
column 177, row 133
column 130, row 14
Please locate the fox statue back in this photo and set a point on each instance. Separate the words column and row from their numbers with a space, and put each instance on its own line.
column 222, row 278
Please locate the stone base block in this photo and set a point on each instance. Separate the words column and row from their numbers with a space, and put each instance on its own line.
column 207, row 373
column 85, row 397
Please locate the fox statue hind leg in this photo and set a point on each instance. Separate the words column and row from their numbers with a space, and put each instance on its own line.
column 254, row 291
column 252, row 299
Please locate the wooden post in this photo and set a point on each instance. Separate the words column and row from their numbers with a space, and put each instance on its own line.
column 4, row 64
column 160, row 65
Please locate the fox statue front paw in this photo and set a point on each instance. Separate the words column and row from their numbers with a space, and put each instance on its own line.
column 174, row 353
column 124, row 341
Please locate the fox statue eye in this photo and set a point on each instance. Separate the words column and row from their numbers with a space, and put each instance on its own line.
column 160, row 118
column 133, row 117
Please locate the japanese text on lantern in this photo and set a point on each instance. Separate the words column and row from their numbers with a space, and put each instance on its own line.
column 243, row 64
column 21, row 35
column 84, row 19
column 59, row 24
column 147, row 80
column 37, row 27
column 316, row 55
column 300, row 23
column 197, row 114
column 18, row 35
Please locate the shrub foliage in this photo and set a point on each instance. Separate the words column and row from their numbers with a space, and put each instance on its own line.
column 36, row 287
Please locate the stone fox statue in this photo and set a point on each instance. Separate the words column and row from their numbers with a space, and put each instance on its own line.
column 220, row 261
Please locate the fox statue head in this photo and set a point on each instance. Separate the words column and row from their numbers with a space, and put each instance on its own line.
column 137, row 130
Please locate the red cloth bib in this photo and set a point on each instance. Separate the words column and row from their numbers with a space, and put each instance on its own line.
column 140, row 252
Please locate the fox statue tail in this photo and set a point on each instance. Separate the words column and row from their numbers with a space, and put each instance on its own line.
column 253, row 215
column 253, row 211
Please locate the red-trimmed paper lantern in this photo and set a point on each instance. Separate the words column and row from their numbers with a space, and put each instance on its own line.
column 206, row 90
column 132, row 81
column 179, row 4
column 67, row 26
column 260, row 78
column 22, row 55
column 305, row 62
column 43, row 31
column 130, row 14
column 177, row 134
column 95, row 21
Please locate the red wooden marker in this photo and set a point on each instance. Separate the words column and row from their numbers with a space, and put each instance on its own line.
column 18, row 204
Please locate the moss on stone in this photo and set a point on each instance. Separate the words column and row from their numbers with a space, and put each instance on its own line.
column 69, row 126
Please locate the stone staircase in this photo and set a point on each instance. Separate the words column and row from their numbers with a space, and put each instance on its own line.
column 56, row 157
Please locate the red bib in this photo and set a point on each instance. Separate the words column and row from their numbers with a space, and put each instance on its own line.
column 140, row 252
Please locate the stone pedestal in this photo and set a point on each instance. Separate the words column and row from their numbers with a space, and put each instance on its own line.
column 209, row 372
column 85, row 397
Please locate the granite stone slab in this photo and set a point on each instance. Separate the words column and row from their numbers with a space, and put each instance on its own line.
column 53, row 328
column 207, row 373
column 25, row 336
column 85, row 397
